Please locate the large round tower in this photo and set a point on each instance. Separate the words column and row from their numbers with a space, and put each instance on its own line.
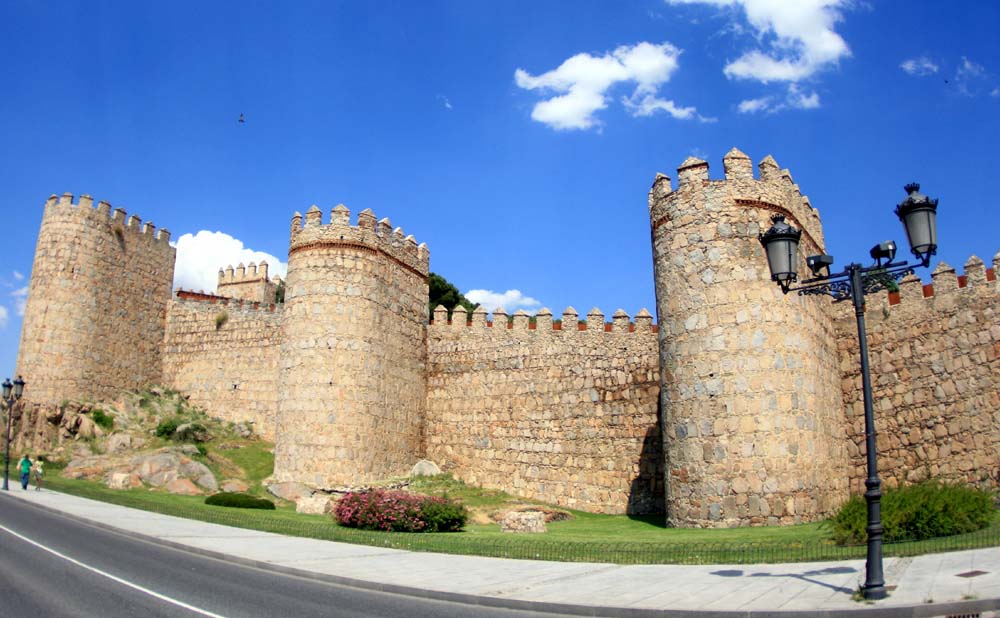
column 750, row 393
column 353, row 352
column 96, row 308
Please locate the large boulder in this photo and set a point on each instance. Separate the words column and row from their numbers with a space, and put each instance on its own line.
column 523, row 522
column 425, row 467
column 118, row 443
column 192, row 432
column 316, row 504
column 183, row 487
column 123, row 480
column 289, row 490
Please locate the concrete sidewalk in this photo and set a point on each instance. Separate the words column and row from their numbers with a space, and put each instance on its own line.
column 932, row 585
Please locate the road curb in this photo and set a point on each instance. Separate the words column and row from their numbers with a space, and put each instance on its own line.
column 925, row 610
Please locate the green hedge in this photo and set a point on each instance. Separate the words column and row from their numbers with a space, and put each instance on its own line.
column 239, row 501
column 917, row 512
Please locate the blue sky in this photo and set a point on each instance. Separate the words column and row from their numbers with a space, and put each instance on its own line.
column 517, row 139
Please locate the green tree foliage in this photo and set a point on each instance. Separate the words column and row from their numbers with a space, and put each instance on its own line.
column 446, row 294
column 279, row 292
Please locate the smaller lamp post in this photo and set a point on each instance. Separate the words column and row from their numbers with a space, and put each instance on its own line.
column 918, row 215
column 11, row 393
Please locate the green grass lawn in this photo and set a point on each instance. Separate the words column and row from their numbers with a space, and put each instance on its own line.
column 586, row 537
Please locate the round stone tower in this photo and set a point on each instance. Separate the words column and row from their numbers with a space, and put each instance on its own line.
column 96, row 308
column 353, row 353
column 750, row 388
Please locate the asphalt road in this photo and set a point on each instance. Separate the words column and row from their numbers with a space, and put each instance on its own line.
column 103, row 574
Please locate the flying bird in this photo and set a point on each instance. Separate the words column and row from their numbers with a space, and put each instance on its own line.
column 242, row 118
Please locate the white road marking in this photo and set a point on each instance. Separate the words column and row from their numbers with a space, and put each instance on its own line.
column 121, row 581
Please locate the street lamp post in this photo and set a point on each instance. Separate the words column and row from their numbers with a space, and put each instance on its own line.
column 11, row 393
column 918, row 215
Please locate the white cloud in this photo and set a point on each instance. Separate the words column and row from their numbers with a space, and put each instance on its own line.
column 3, row 317
column 969, row 69
column 971, row 78
column 996, row 92
column 511, row 300
column 919, row 66
column 800, row 100
column 20, row 299
column 199, row 257
column 799, row 38
column 752, row 106
column 18, row 276
column 795, row 98
column 581, row 84
column 444, row 101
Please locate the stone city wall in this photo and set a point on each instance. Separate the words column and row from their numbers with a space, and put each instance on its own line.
column 935, row 367
column 545, row 411
column 223, row 353
column 94, row 319
column 353, row 352
column 753, row 421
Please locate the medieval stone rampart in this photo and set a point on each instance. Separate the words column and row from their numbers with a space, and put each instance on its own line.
column 249, row 282
column 223, row 354
column 751, row 418
column 353, row 351
column 935, row 366
column 548, row 411
column 732, row 412
column 93, row 323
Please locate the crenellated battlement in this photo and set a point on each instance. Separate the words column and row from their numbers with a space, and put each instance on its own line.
column 946, row 288
column 251, row 273
column 366, row 235
column 774, row 191
column 542, row 322
column 117, row 219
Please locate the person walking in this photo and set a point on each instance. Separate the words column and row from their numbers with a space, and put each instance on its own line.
column 25, row 465
column 39, row 473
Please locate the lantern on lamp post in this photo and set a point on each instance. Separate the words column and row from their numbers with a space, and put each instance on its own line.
column 11, row 393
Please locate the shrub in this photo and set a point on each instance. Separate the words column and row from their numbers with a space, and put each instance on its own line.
column 239, row 501
column 167, row 427
column 103, row 420
column 221, row 318
column 399, row 511
column 916, row 512
column 443, row 515
column 202, row 449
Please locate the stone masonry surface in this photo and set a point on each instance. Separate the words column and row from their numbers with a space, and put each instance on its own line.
column 224, row 354
column 935, row 360
column 742, row 407
column 563, row 415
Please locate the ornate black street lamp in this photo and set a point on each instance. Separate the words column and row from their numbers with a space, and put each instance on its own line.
column 11, row 393
column 917, row 212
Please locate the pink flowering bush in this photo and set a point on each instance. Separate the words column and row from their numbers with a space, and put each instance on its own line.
column 399, row 511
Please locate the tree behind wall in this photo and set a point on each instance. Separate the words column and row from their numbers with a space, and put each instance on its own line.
column 446, row 294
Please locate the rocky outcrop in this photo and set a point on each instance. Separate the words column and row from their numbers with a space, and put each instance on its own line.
column 160, row 468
